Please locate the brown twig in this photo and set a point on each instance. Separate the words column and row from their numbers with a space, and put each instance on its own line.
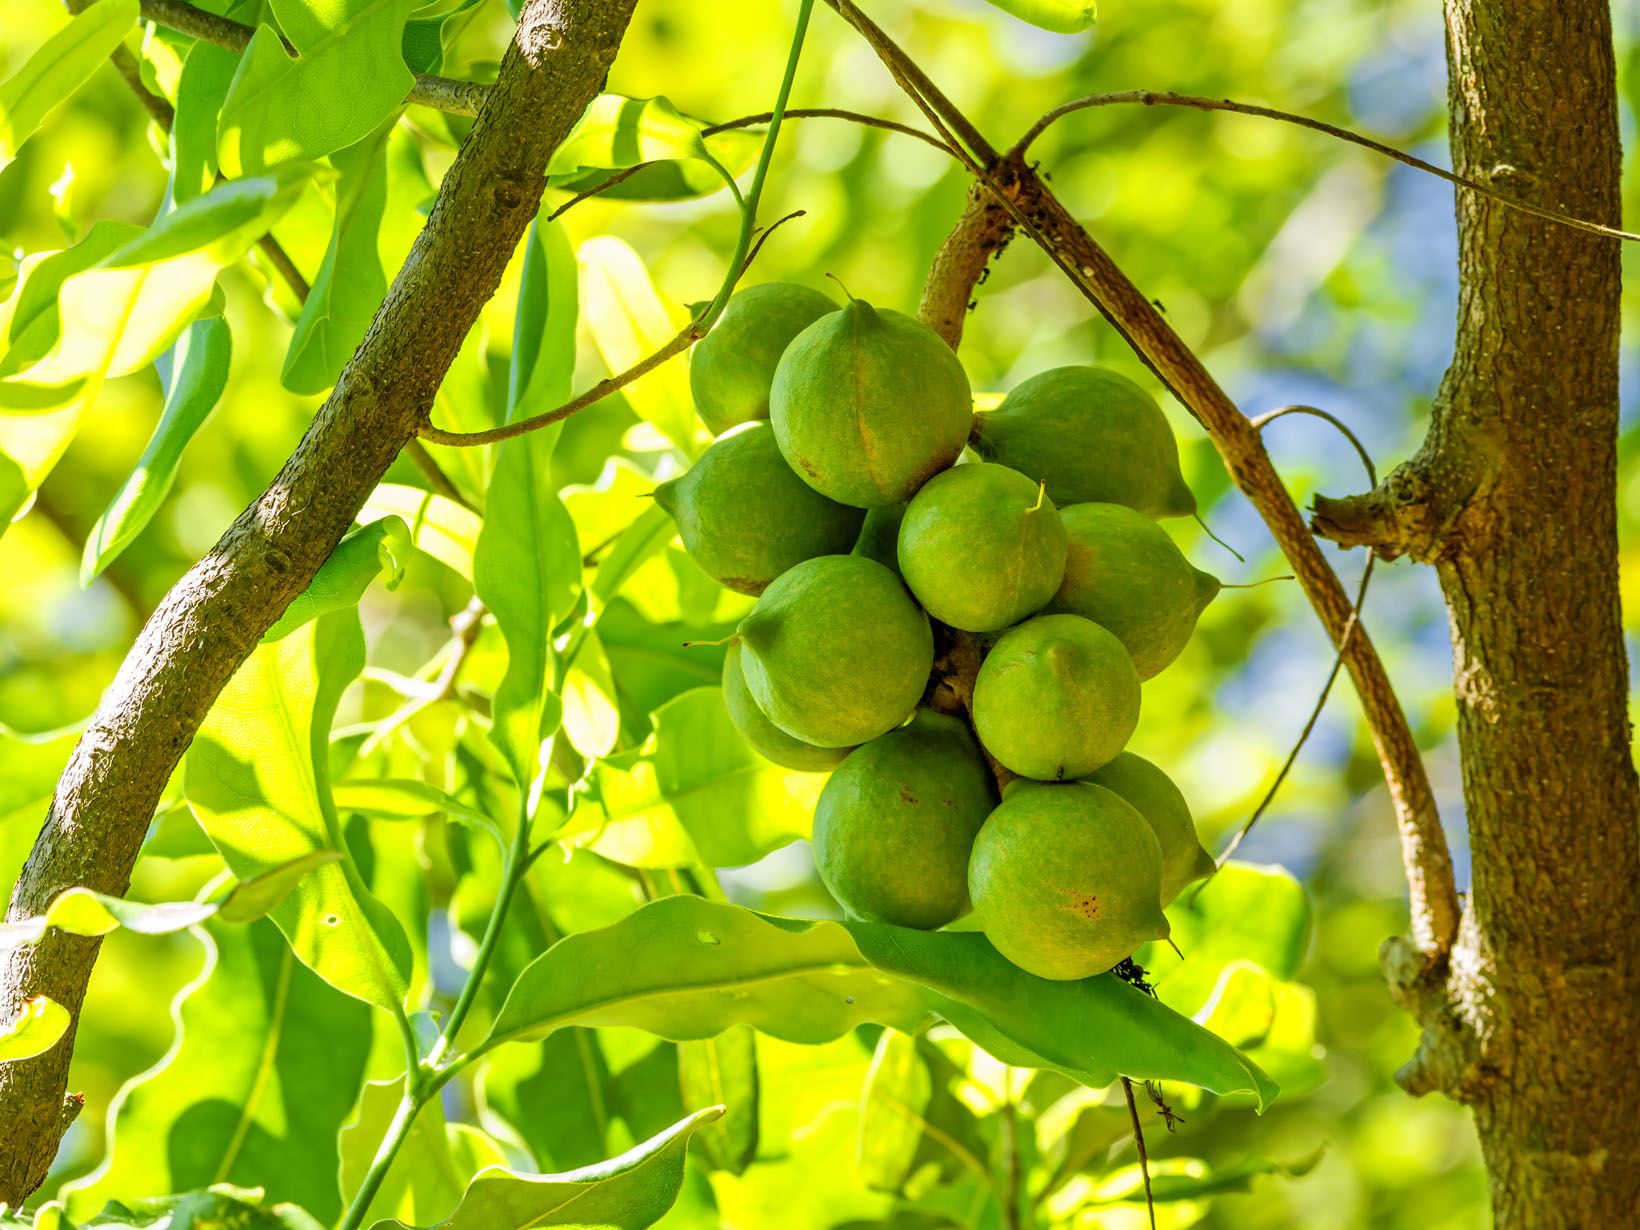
column 440, row 93
column 1167, row 98
column 1139, row 1145
column 828, row 113
column 1432, row 888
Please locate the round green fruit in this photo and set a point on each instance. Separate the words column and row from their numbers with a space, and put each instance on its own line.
column 880, row 535
column 982, row 547
column 896, row 821
column 732, row 367
column 836, row 652
column 1056, row 698
column 746, row 518
column 767, row 739
column 1091, row 435
column 1066, row 879
column 1154, row 796
column 869, row 404
column 1124, row 573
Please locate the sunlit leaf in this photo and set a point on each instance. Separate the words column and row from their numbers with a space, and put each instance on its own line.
column 80, row 911
column 722, row 1071
column 439, row 527
column 687, row 968
column 370, row 551
column 629, row 321
column 1060, row 16
column 893, row 1104
column 694, row 790
column 628, row 1192
column 425, row 1183
column 347, row 77
column 554, row 1096
column 381, row 186
column 61, row 66
column 267, row 1060
column 194, row 377
column 257, row 777
column 35, row 1030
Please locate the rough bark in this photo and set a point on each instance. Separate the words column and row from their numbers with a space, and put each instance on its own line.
column 209, row 623
column 1513, row 498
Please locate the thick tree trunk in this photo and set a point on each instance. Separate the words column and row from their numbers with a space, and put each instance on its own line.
column 212, row 619
column 1536, row 1023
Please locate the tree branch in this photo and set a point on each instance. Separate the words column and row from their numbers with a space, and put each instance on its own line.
column 1035, row 210
column 440, row 93
column 213, row 618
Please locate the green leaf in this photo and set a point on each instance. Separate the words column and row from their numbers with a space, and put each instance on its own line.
column 1060, row 16
column 617, row 132
column 527, row 564
column 1244, row 913
column 117, row 316
column 80, row 911
column 629, row 322
column 893, row 1107
column 195, row 377
column 383, row 798
column 628, row 1192
column 554, row 1096
column 695, row 791
column 203, row 85
column 381, row 187
column 722, row 1071
column 424, row 38
column 257, row 777
column 221, row 1206
column 686, row 968
column 1191, row 1179
column 267, row 1060
column 368, row 552
column 36, row 1030
column 440, row 528
column 61, row 66
column 592, row 715
column 347, row 77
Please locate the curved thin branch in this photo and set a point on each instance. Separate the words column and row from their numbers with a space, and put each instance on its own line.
column 440, row 93
column 1035, row 210
column 829, row 113
column 1166, row 98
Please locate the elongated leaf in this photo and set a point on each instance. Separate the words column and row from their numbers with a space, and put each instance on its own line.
column 1060, row 16
column 722, row 1071
column 365, row 554
column 257, row 777
column 408, row 799
column 693, row 791
column 1190, row 1179
column 382, row 185
column 267, row 1060
column 347, row 77
column 120, row 314
column 79, row 911
column 527, row 565
column 687, row 968
column 206, row 74
column 194, row 378
column 36, row 1030
column 628, row 1192
column 629, row 322
column 439, row 528
column 893, row 1104
column 61, row 66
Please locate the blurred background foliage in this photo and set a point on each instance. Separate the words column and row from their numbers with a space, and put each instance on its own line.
column 1304, row 271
